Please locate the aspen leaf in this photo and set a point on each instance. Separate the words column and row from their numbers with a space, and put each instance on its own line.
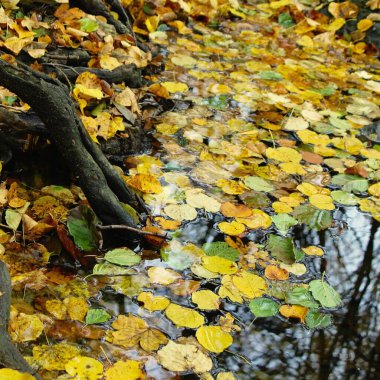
column 152, row 339
column 12, row 374
column 232, row 210
column 199, row 200
column 258, row 184
column 97, row 316
column 312, row 250
column 283, row 154
column 173, row 87
column 258, row 219
column 365, row 24
column 184, row 317
column 25, row 327
column 162, row 276
column 213, row 338
column 263, row 307
column 296, row 124
column 375, row 190
column 145, row 183
column 183, row 60
column 325, row 293
column 322, row 201
column 275, row 273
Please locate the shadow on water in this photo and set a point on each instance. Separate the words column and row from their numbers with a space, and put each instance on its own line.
column 272, row 348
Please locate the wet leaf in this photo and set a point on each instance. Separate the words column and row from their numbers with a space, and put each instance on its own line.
column 213, row 338
column 95, row 316
column 129, row 369
column 313, row 217
column 301, row 296
column 12, row 374
column 153, row 303
column 219, row 264
column 317, row 320
column 325, row 294
column 206, row 300
column 222, row 249
column 283, row 222
column 84, row 368
column 263, row 307
column 184, row 317
column 294, row 311
column 258, row 184
column 122, row 256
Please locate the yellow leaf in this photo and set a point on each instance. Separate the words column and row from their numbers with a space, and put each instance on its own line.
column 128, row 369
column 322, row 201
column 184, row 317
column 127, row 98
column 77, row 308
column 206, row 300
column 213, row 338
column 153, row 303
column 81, row 91
column 152, row 339
column 283, row 154
column 152, row 23
column 293, row 168
column 181, row 212
column 336, row 24
column 230, row 186
column 294, row 311
column 364, row 25
column 296, row 124
column 219, row 264
column 145, row 183
column 25, row 327
column 183, row 60
column 54, row 357
column 159, row 90
column 12, row 374
column 229, row 290
column 249, row 284
column 275, row 273
column 196, row 198
column 312, row 250
column 258, row 219
column 375, row 190
column 84, row 368
column 175, row 86
column 167, row 129
column 56, row 308
column 219, row 89
column 232, row 210
column 129, row 330
column 162, row 276
column 184, row 357
column 281, row 207
column 234, row 228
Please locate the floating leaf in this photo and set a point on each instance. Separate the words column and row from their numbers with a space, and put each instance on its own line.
column 294, row 311
column 122, row 256
column 283, row 222
column 282, row 248
column 325, row 294
column 219, row 264
column 301, row 296
column 213, row 338
column 222, row 249
column 317, row 320
column 206, row 300
column 183, row 358
column 350, row 183
column 314, row 218
column 233, row 229
column 128, row 369
column 153, row 303
column 96, row 316
column 107, row 269
column 83, row 367
column 258, row 184
column 344, row 197
column 263, row 307
column 249, row 284
column 183, row 316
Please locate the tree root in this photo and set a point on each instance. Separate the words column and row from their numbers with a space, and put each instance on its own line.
column 49, row 98
column 10, row 356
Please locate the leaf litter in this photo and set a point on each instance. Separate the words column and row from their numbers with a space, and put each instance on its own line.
column 269, row 139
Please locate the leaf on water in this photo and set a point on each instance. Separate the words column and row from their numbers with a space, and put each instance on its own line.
column 301, row 296
column 350, row 183
column 96, row 316
column 344, row 198
column 249, row 285
column 231, row 228
column 294, row 311
column 83, row 367
column 128, row 369
column 122, row 256
column 82, row 223
column 222, row 249
column 153, row 303
column 183, row 316
column 107, row 269
column 184, row 357
column 219, row 264
column 206, row 300
column 213, row 338
column 258, row 184
column 283, row 222
column 263, row 307
column 163, row 276
column 314, row 218
column 325, row 293
column 282, row 249
column 181, row 212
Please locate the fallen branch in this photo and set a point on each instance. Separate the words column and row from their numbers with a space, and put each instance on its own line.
column 136, row 230
column 10, row 356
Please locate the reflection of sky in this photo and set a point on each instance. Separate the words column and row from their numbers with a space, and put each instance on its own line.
column 278, row 349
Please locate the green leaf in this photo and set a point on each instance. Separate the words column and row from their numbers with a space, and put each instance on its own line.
column 285, row 19
column 313, row 217
column 218, row 102
column 88, row 25
column 122, row 256
column 222, row 249
column 283, row 222
column 344, row 198
column 177, row 259
column 301, row 296
column 325, row 294
column 111, row 270
column 256, row 200
column 350, row 183
column 270, row 75
column 9, row 100
column 281, row 248
column 326, row 91
column 263, row 307
column 258, row 184
column 317, row 320
column 82, row 223
column 97, row 316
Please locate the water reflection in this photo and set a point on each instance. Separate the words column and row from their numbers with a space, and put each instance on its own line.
column 276, row 349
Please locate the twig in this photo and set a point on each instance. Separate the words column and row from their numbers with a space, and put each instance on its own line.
column 138, row 231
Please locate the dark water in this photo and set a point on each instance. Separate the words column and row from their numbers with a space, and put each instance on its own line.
column 272, row 348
